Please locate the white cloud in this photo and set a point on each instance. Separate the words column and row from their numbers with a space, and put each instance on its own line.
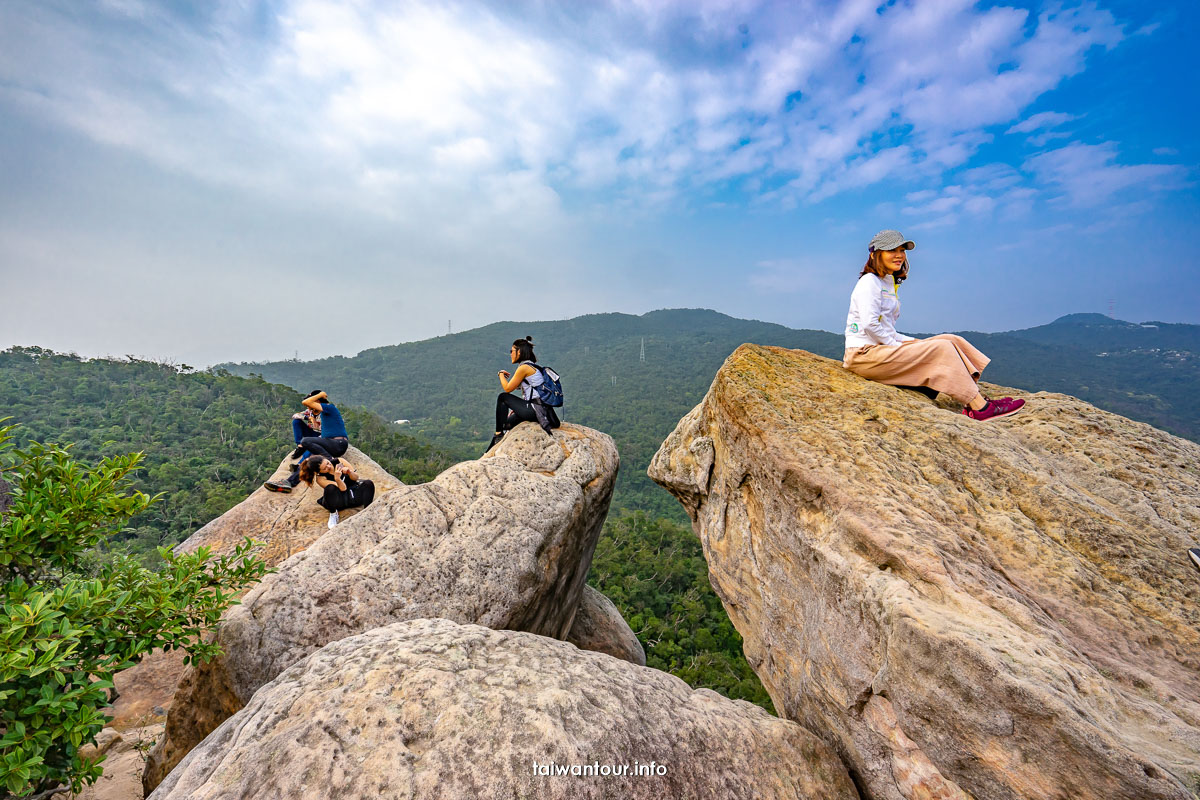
column 1046, row 119
column 1089, row 175
column 638, row 98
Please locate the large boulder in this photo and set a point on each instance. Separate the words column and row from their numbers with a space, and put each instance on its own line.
column 963, row 609
column 433, row 710
column 505, row 541
column 599, row 626
column 285, row 524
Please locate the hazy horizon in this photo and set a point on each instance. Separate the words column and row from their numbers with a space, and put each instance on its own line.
column 173, row 359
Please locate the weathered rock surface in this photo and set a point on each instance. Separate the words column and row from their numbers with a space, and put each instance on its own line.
column 124, row 758
column 963, row 609
column 285, row 523
column 433, row 710
column 599, row 626
column 505, row 541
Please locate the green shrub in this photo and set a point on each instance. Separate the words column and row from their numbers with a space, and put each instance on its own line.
column 74, row 616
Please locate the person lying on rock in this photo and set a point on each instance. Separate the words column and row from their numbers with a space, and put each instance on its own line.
column 340, row 484
column 332, row 443
column 510, row 410
column 874, row 350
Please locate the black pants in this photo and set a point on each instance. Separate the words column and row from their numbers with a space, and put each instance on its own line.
column 512, row 410
column 319, row 446
column 330, row 448
column 358, row 494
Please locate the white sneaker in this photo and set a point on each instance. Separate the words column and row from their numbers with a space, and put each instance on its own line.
column 333, row 518
column 1194, row 555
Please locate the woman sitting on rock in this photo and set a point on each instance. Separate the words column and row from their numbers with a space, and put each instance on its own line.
column 874, row 350
column 341, row 484
column 510, row 410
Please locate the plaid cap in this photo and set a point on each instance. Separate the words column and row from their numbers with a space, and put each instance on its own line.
column 890, row 240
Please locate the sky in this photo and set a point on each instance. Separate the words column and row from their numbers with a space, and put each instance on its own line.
column 236, row 181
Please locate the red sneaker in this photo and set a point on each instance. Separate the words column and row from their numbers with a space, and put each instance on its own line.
column 1000, row 407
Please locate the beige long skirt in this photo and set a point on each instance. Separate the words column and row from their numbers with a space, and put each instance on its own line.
column 945, row 362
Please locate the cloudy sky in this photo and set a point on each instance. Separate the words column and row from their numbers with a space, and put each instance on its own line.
column 243, row 180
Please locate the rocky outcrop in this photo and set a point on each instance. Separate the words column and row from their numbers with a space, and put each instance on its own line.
column 599, row 626
column 434, row 710
column 285, row 523
column 963, row 609
column 505, row 541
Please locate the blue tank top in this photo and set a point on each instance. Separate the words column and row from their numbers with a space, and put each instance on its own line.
column 332, row 425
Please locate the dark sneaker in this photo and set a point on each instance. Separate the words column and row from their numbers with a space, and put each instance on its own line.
column 299, row 451
column 277, row 486
column 495, row 441
column 1194, row 555
column 1000, row 407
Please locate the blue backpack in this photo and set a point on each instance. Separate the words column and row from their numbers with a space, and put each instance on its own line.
column 550, row 391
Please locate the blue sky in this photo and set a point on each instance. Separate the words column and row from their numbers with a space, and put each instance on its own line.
column 233, row 181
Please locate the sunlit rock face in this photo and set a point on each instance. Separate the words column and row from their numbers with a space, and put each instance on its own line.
column 961, row 609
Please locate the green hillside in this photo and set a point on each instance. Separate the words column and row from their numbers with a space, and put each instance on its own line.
column 1149, row 371
column 210, row 438
column 447, row 386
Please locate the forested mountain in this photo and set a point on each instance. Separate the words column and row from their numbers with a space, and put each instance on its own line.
column 447, row 386
column 209, row 438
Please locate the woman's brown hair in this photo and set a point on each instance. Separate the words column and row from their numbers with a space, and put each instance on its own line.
column 309, row 468
column 874, row 266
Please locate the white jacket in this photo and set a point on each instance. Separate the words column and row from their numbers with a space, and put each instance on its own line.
column 874, row 309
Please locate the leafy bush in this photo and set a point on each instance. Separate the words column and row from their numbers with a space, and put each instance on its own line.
column 72, row 618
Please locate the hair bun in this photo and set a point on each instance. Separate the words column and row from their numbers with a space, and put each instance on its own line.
column 529, row 339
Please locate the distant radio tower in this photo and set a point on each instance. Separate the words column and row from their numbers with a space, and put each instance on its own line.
column 296, row 356
column 449, row 330
column 1111, row 306
column 643, row 355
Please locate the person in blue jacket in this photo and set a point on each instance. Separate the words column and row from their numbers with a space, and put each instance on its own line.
column 332, row 443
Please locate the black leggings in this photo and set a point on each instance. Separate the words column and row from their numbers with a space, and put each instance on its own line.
column 512, row 410
column 358, row 494
column 330, row 448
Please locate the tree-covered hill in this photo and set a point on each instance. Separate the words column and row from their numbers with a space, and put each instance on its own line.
column 447, row 386
column 210, row 438
column 1149, row 371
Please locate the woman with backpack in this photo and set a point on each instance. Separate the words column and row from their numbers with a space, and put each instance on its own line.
column 529, row 407
column 875, row 350
column 340, row 485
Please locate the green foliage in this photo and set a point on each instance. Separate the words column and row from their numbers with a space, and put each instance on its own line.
column 72, row 620
column 210, row 438
column 655, row 573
